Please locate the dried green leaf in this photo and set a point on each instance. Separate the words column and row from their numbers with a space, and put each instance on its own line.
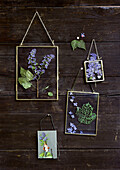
column 26, row 74
column 74, row 44
column 46, row 87
column 81, row 44
column 22, row 72
column 29, row 75
column 50, row 94
column 26, row 84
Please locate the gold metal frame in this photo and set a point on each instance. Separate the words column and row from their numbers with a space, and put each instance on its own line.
column 57, row 79
column 87, row 81
column 96, row 113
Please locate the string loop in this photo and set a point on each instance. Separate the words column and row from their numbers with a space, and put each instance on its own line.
column 51, row 119
column 36, row 13
column 80, row 69
column 93, row 42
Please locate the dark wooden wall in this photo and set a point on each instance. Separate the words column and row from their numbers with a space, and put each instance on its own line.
column 19, row 120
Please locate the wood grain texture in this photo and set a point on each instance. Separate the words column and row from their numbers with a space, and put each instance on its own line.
column 95, row 22
column 58, row 3
column 19, row 120
column 80, row 159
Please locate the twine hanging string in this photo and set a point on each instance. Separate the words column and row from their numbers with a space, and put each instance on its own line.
column 80, row 69
column 51, row 119
column 93, row 42
column 36, row 13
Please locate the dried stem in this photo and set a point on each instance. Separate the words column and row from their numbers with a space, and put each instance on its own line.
column 37, row 88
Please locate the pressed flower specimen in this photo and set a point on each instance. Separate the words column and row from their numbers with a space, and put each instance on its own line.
column 35, row 71
column 94, row 68
column 43, row 141
column 85, row 114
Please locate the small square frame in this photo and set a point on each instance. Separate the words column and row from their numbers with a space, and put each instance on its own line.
column 97, row 80
column 51, row 143
column 82, row 129
column 17, row 72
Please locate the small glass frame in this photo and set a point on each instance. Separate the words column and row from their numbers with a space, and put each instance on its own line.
column 94, row 71
column 82, row 113
column 37, row 73
column 47, row 144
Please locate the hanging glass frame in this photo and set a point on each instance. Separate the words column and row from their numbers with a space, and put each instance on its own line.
column 47, row 141
column 82, row 113
column 47, row 144
column 93, row 66
column 37, row 73
column 37, row 70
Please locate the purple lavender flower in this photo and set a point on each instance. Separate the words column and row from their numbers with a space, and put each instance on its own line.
column 29, row 62
column 52, row 56
column 72, row 128
column 34, row 77
column 73, row 97
column 71, row 93
column 43, row 134
column 69, row 130
column 94, row 68
column 81, row 132
column 41, row 138
column 43, row 71
column 72, row 100
column 72, row 116
column 38, row 69
column 45, row 139
column 75, row 104
column 75, row 128
column 33, row 52
column 70, row 113
column 30, row 66
column 71, row 124
column 93, row 55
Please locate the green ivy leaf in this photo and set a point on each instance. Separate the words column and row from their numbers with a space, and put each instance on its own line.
column 50, row 94
column 74, row 44
column 81, row 44
column 26, row 84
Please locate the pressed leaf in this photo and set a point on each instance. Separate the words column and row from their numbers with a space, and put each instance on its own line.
column 50, row 94
column 74, row 44
column 29, row 75
column 23, row 81
column 46, row 87
column 22, row 72
column 26, row 74
column 81, row 44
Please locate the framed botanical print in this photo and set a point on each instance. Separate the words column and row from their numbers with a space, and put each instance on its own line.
column 82, row 113
column 37, row 73
column 47, row 144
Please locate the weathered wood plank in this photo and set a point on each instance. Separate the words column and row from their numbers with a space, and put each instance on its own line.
column 19, row 122
column 111, row 85
column 69, row 160
column 52, row 3
column 69, row 61
column 95, row 22
column 10, row 106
